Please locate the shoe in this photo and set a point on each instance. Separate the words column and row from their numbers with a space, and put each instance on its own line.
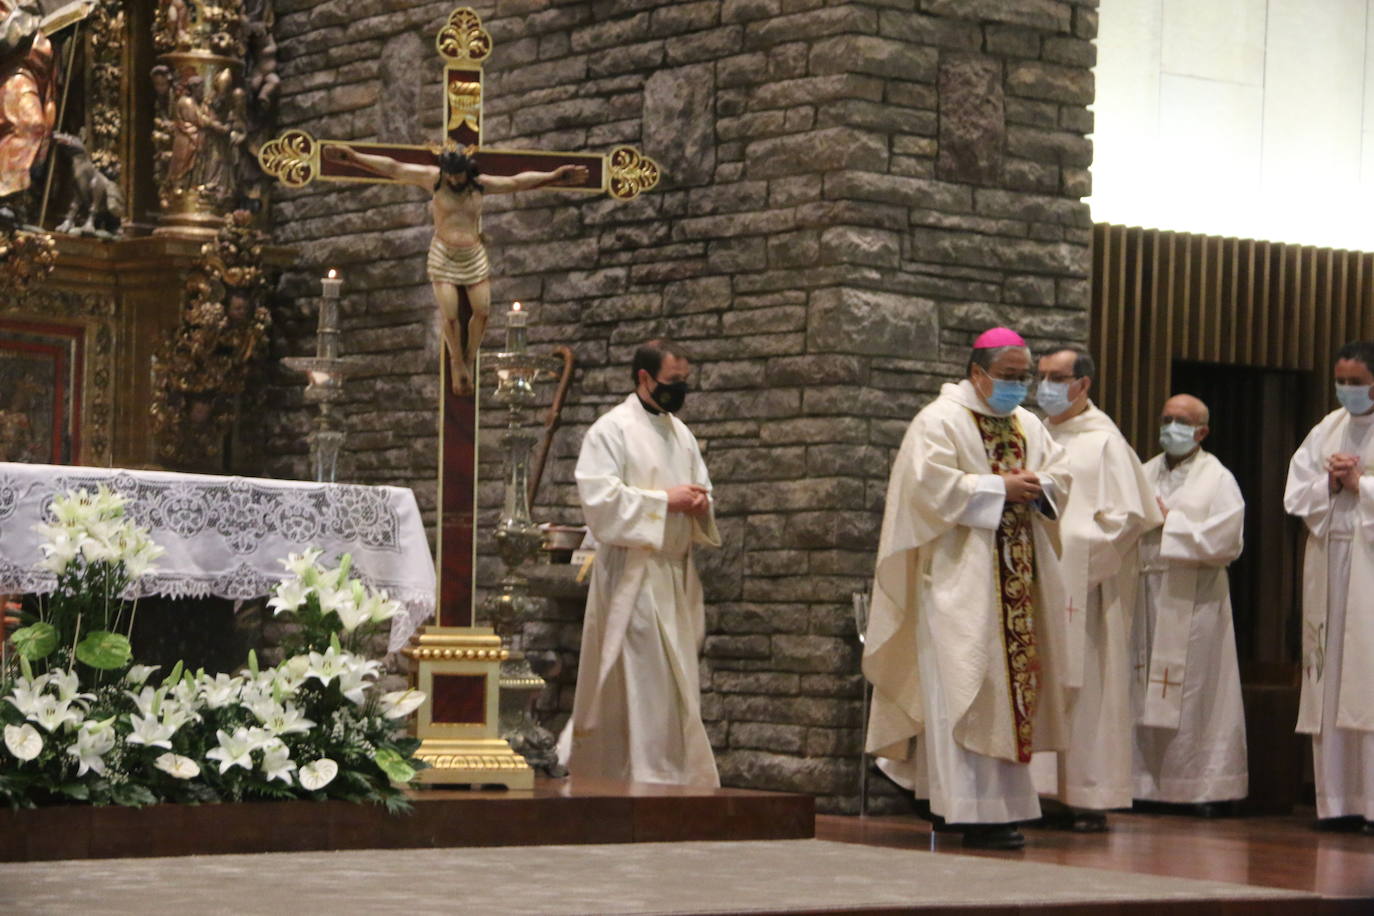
column 992, row 836
column 1368, row 829
column 1350, row 823
column 1089, row 822
column 1210, row 809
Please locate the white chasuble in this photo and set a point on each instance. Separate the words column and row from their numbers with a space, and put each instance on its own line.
column 1112, row 504
column 1190, row 739
column 637, row 710
column 1337, row 705
column 959, row 648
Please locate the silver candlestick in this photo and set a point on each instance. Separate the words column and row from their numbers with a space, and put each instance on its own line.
column 326, row 373
column 518, row 540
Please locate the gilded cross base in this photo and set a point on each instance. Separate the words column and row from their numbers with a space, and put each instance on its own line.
column 459, row 671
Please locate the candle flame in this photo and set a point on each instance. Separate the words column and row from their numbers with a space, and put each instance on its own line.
column 515, row 307
column 332, row 273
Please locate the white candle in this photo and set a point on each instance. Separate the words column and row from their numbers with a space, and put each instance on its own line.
column 331, row 284
column 517, row 316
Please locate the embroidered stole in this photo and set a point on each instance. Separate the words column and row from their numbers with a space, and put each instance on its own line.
column 1005, row 444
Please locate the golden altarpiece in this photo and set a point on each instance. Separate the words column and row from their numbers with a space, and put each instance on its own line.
column 131, row 306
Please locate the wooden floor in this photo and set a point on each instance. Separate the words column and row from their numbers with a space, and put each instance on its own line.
column 1281, row 852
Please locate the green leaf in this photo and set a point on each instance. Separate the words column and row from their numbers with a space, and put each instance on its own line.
column 174, row 675
column 104, row 650
column 35, row 641
column 77, row 790
column 253, row 662
column 392, row 764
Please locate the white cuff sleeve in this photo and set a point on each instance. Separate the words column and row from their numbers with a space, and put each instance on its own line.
column 984, row 509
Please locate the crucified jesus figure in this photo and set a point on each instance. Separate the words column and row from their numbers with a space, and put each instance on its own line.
column 457, row 258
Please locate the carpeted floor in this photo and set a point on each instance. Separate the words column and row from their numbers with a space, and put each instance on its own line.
column 650, row 878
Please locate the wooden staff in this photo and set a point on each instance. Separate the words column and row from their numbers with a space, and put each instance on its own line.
column 551, row 421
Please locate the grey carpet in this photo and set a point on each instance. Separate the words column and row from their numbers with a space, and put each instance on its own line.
column 648, row 878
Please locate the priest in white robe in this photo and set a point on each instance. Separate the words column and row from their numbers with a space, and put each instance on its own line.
column 1331, row 488
column 647, row 500
column 1190, row 734
column 959, row 647
column 1111, row 506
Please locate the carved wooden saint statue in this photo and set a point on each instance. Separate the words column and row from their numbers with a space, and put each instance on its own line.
column 28, row 106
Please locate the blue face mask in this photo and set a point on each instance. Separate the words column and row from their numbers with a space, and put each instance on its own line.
column 1354, row 398
column 1053, row 397
column 1007, row 395
column 1177, row 438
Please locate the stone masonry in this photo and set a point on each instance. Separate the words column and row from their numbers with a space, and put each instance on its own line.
column 851, row 192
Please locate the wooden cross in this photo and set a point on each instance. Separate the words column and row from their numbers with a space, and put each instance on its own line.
column 295, row 159
column 1165, row 683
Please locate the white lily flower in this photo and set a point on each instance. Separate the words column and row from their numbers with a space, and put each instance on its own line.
column 175, row 715
column 177, row 766
column 139, row 674
column 351, row 614
column 219, row 691
column 233, row 751
column 147, row 700
column 52, row 713
column 60, row 548
column 381, row 608
column 187, row 693
column 138, row 562
column 67, row 684
column 289, row 595
column 150, row 732
column 327, row 665
column 277, row 763
column 353, row 684
column 281, row 719
column 93, row 741
column 24, row 695
column 400, row 703
column 298, row 563
column 317, row 775
column 23, row 741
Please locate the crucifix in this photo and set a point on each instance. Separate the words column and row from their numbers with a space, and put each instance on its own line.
column 458, row 662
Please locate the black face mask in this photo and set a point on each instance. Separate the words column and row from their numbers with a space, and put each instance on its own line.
column 669, row 395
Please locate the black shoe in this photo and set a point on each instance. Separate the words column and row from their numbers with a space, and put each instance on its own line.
column 1210, row 809
column 1350, row 823
column 1368, row 829
column 992, row 836
column 1089, row 822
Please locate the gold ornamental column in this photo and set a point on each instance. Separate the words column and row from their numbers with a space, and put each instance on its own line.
column 200, row 113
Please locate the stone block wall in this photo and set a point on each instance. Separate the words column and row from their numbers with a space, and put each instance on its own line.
column 851, row 192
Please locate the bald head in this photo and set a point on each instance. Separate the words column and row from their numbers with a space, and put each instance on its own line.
column 1184, row 408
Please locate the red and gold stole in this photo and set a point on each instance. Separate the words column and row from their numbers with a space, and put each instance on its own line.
column 1006, row 449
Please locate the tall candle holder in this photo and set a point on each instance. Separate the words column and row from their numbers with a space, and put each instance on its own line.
column 326, row 373
column 518, row 540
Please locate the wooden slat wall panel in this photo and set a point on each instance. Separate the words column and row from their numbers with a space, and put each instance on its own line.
column 1160, row 296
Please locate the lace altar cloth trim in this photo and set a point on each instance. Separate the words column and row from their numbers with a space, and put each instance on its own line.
column 226, row 536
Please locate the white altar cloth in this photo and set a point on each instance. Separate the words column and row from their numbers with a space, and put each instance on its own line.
column 226, row 536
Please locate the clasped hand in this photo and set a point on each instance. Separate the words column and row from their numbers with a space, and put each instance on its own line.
column 1344, row 471
column 689, row 499
column 1022, row 485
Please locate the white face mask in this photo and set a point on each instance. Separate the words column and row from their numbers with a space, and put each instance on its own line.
column 1354, row 398
column 1177, row 438
column 1053, row 397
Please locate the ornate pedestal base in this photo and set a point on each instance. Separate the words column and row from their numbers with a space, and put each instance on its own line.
column 459, row 670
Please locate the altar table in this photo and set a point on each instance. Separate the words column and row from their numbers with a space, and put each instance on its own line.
column 225, row 536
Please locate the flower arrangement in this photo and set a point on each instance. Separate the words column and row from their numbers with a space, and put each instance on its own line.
column 83, row 722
